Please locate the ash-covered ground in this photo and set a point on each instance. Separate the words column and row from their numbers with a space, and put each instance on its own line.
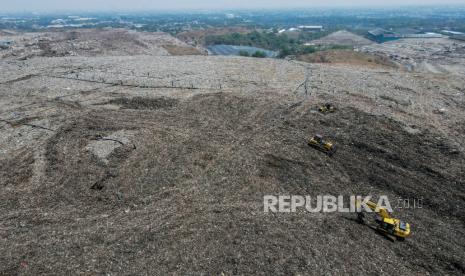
column 158, row 165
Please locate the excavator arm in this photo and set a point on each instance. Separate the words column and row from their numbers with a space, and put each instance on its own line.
column 382, row 211
column 391, row 226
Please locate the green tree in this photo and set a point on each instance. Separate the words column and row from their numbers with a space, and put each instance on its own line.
column 259, row 54
column 244, row 53
column 284, row 52
column 308, row 50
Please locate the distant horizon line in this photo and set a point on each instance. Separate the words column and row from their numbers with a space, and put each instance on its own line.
column 206, row 10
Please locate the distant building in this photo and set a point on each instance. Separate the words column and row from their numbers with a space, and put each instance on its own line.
column 381, row 35
column 447, row 32
column 425, row 35
column 458, row 36
column 454, row 34
column 311, row 28
column 302, row 29
column 58, row 21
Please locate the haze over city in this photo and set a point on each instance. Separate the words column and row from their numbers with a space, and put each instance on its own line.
column 54, row 5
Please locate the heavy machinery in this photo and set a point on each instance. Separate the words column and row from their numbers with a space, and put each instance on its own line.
column 327, row 108
column 391, row 227
column 321, row 144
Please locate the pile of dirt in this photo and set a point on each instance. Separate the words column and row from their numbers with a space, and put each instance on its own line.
column 143, row 103
column 348, row 57
column 176, row 50
column 16, row 170
column 189, row 197
column 343, row 38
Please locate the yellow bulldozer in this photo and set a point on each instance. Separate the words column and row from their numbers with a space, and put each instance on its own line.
column 392, row 228
column 319, row 143
column 327, row 108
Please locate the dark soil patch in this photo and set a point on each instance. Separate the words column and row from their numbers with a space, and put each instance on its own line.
column 177, row 50
column 15, row 174
column 75, row 172
column 16, row 169
column 144, row 103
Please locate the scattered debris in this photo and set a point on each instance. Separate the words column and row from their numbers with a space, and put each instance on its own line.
column 20, row 122
column 440, row 111
column 144, row 103
column 104, row 146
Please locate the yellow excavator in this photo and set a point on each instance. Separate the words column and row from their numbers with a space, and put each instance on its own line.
column 391, row 227
column 321, row 144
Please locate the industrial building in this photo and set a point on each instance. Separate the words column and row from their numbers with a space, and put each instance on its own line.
column 458, row 36
column 5, row 44
column 381, row 35
column 311, row 28
column 454, row 34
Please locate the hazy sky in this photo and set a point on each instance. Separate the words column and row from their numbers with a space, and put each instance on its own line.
column 51, row 5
